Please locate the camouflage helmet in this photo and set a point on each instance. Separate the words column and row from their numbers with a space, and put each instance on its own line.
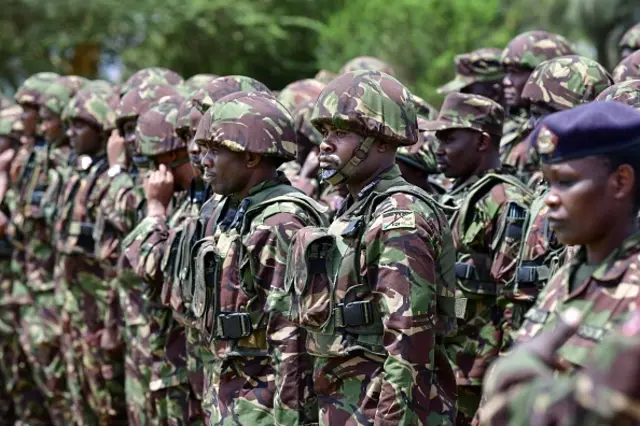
column 324, row 76
column 302, row 122
column 188, row 117
column 155, row 130
column 149, row 76
column 422, row 158
column 5, row 101
column 102, row 87
column 530, row 49
column 91, row 107
column 477, row 66
column 10, row 121
column 140, row 99
column 223, row 86
column 627, row 92
column 628, row 68
column 423, row 109
column 57, row 95
column 566, row 82
column 30, row 92
column 299, row 92
column 370, row 103
column 250, row 122
column 198, row 81
column 631, row 39
column 366, row 63
column 468, row 111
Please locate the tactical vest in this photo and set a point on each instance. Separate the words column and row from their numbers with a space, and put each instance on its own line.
column 474, row 280
column 224, row 299
column 342, row 320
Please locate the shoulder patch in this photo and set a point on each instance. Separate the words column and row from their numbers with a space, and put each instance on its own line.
column 398, row 219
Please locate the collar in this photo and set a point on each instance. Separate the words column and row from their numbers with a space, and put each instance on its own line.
column 616, row 264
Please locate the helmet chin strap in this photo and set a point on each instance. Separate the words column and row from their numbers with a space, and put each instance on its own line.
column 335, row 177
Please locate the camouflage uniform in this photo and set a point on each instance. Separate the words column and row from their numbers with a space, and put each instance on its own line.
column 604, row 393
column 421, row 156
column 526, row 52
column 261, row 374
column 631, row 39
column 373, row 290
column 366, row 63
column 627, row 92
column 198, row 81
column 95, row 377
column 486, row 215
column 628, row 69
column 300, row 92
column 40, row 320
column 223, row 86
column 477, row 66
column 151, row 76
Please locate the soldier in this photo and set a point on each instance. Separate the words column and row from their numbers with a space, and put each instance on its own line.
column 366, row 63
column 418, row 163
column 630, row 41
column 479, row 72
column 628, row 68
column 373, row 290
column 94, row 376
column 167, row 201
column 626, row 93
column 558, row 84
column 261, row 374
column 590, row 158
column 40, row 320
column 521, row 56
column 489, row 206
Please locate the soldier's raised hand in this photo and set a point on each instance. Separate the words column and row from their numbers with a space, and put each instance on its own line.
column 158, row 188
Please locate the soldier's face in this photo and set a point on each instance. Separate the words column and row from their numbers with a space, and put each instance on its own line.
column 129, row 135
column 50, row 125
column 85, row 139
column 583, row 200
column 195, row 153
column 457, row 153
column 488, row 89
column 30, row 119
column 224, row 170
column 337, row 147
column 513, row 82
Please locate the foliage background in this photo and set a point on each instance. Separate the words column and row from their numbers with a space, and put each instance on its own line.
column 278, row 41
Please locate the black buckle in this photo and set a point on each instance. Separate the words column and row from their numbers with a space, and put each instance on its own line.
column 355, row 314
column 85, row 238
column 527, row 275
column 464, row 271
column 235, row 325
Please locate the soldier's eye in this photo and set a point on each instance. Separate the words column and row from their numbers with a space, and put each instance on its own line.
column 341, row 133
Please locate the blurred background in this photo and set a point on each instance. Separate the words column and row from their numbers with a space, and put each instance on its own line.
column 279, row 41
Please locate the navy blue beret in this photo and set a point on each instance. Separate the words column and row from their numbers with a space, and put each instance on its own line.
column 595, row 128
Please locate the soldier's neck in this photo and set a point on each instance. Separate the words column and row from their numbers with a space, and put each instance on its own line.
column 598, row 251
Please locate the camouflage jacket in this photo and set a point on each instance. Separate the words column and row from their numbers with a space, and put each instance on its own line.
column 245, row 254
column 515, row 126
column 487, row 224
column 605, row 392
column 384, row 290
column 606, row 299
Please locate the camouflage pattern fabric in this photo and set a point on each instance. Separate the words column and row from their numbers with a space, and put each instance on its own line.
column 477, row 66
column 466, row 111
column 155, row 133
column 628, row 69
column 300, row 92
column 223, row 86
column 423, row 109
column 5, row 101
column 366, row 63
column 516, row 124
column 249, row 122
column 379, row 106
column 631, row 39
column 139, row 99
column 198, row 81
column 57, row 95
column 324, row 76
column 530, row 49
column 150, row 76
column 604, row 392
column 627, row 92
column 30, row 91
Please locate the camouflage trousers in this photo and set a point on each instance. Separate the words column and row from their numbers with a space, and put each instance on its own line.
column 240, row 392
column 195, row 368
column 137, row 376
column 171, row 407
column 40, row 340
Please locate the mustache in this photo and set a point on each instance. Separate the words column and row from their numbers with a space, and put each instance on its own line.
column 331, row 159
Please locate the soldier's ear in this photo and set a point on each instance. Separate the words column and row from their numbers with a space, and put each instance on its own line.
column 484, row 142
column 383, row 147
column 252, row 159
column 624, row 180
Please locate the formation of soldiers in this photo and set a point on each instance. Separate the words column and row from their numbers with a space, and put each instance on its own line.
column 212, row 252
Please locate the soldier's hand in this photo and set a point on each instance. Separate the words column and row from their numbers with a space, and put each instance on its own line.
column 518, row 156
column 311, row 164
column 116, row 152
column 158, row 188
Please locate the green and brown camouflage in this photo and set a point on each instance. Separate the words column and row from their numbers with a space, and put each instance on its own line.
column 249, row 122
column 628, row 68
column 477, row 66
column 523, row 389
column 468, row 111
column 627, row 92
column 155, row 132
column 423, row 109
column 10, row 122
column 302, row 120
column 370, row 103
column 423, row 159
column 57, row 95
column 30, row 91
column 325, row 76
column 151, row 76
column 300, row 92
column 187, row 118
column 530, row 49
column 566, row 82
column 140, row 99
column 366, row 63
column 223, row 86
column 91, row 107
column 631, row 39
column 198, row 81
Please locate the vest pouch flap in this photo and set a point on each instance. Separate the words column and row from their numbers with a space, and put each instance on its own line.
column 206, row 271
